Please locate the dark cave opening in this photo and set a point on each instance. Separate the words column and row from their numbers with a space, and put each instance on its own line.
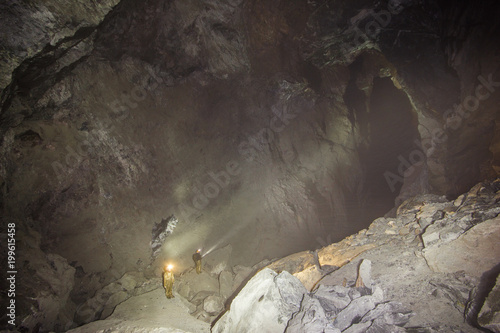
column 393, row 132
column 391, row 126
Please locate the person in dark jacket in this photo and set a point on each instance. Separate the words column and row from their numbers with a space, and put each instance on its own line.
column 197, row 260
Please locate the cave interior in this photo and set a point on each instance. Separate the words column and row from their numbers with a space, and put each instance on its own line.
column 133, row 133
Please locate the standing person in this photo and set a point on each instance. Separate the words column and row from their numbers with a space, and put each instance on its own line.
column 168, row 281
column 197, row 260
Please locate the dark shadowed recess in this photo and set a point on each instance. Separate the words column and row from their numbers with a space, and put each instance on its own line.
column 388, row 120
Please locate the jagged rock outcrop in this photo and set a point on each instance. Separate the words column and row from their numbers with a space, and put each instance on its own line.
column 34, row 29
column 489, row 316
column 429, row 260
column 265, row 304
column 327, row 309
column 160, row 232
column 310, row 318
column 475, row 249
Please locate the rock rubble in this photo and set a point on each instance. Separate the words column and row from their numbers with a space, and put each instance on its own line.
column 422, row 270
column 433, row 267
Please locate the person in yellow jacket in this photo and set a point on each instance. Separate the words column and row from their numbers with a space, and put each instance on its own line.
column 197, row 260
column 168, row 281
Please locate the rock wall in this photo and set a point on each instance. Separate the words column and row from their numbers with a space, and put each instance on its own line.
column 34, row 29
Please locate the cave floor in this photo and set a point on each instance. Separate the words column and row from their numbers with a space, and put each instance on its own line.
column 149, row 312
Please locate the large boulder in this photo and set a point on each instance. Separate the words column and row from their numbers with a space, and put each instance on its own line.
column 357, row 309
column 310, row 318
column 265, row 304
column 190, row 284
column 478, row 250
column 303, row 265
column 213, row 304
column 489, row 316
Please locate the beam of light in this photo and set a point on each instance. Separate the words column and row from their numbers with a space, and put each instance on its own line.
column 225, row 237
column 183, row 241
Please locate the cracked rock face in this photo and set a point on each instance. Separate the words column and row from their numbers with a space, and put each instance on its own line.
column 161, row 231
column 267, row 302
column 489, row 315
column 49, row 280
column 328, row 309
column 30, row 27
